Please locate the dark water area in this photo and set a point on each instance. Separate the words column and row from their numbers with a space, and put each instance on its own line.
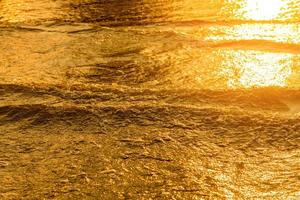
column 164, row 99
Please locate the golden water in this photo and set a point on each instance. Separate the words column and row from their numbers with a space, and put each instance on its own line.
column 163, row 99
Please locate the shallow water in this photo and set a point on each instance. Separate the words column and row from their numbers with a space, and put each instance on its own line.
column 149, row 99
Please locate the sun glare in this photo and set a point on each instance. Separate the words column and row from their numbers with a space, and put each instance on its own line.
column 265, row 70
column 263, row 9
column 258, row 69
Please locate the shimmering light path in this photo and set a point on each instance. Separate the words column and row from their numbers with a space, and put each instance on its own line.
column 263, row 10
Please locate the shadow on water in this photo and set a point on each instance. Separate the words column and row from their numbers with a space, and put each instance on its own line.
column 122, row 13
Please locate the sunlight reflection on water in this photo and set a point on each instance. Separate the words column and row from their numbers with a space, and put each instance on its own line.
column 257, row 69
column 263, row 9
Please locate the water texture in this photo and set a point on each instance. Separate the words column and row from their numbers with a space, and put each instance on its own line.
column 140, row 99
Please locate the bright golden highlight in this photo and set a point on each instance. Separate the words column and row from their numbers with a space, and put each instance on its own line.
column 262, row 9
column 258, row 69
column 288, row 34
column 266, row 70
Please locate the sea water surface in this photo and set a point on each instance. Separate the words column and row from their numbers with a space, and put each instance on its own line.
column 140, row 99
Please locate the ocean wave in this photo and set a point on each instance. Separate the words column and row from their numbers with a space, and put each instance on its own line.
column 259, row 98
column 234, row 123
column 193, row 109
